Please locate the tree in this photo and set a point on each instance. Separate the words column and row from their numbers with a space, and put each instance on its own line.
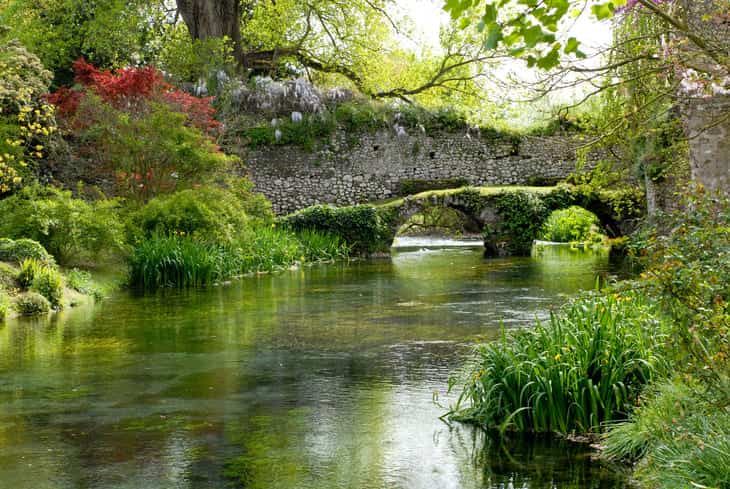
column 668, row 58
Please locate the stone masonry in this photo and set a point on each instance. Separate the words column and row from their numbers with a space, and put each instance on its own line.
column 352, row 169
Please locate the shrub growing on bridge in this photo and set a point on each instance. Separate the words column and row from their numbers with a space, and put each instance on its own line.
column 571, row 224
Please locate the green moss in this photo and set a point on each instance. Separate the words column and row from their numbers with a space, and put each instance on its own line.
column 411, row 186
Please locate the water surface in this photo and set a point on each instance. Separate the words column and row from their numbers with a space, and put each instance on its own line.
column 322, row 377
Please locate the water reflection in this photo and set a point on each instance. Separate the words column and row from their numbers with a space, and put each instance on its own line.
column 321, row 377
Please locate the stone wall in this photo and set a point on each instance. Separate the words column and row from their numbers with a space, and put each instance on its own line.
column 708, row 129
column 351, row 169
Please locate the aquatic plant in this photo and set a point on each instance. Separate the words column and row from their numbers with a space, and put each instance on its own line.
column 584, row 368
column 319, row 246
column 176, row 261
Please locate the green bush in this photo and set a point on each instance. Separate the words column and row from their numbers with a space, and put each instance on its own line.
column 571, row 224
column 361, row 116
column 41, row 278
column 584, row 368
column 411, row 186
column 360, row 227
column 209, row 213
column 31, row 303
column 49, row 283
column 19, row 250
column 306, row 133
column 72, row 230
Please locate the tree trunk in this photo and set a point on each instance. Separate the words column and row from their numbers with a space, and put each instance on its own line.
column 214, row 19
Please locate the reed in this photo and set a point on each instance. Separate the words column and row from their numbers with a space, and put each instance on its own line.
column 184, row 261
column 585, row 367
column 175, row 261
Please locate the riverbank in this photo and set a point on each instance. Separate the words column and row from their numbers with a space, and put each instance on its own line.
column 644, row 362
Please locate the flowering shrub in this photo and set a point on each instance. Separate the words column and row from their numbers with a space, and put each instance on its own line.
column 25, row 122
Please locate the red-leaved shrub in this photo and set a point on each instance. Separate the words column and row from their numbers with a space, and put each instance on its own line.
column 132, row 90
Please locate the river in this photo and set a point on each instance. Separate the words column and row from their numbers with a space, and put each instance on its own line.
column 330, row 376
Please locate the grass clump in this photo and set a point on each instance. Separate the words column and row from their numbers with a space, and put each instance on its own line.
column 584, row 368
column 175, row 260
column 573, row 224
column 31, row 303
column 678, row 437
column 322, row 246
column 49, row 283
column 185, row 261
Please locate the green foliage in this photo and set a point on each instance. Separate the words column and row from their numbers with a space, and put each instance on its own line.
column 186, row 261
column 41, row 278
column 82, row 282
column 4, row 305
column 176, row 261
column 172, row 155
column 360, row 227
column 48, row 282
column 29, row 268
column 189, row 60
column 688, row 269
column 322, row 246
column 72, row 230
column 571, row 224
column 308, row 132
column 584, row 368
column 678, row 437
column 361, row 116
column 18, row 250
column 522, row 217
column 107, row 32
column 209, row 212
column 411, row 186
column 31, row 303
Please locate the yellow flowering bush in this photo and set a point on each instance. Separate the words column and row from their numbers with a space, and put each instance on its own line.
column 26, row 122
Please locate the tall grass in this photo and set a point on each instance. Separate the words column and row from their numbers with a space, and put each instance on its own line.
column 584, row 368
column 183, row 261
column 680, row 434
column 176, row 261
column 319, row 246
